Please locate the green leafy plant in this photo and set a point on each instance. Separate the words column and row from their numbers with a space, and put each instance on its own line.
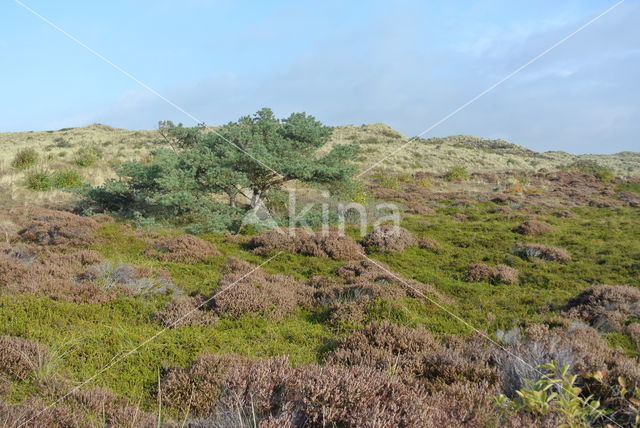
column 86, row 156
column 25, row 158
column 252, row 157
column 66, row 178
column 591, row 167
column 556, row 391
column 456, row 173
column 39, row 180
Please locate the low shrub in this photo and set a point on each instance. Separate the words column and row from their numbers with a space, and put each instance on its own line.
column 456, row 173
column 507, row 274
column 504, row 274
column 480, row 272
column 65, row 179
column 108, row 275
column 591, row 167
column 534, row 227
column 384, row 346
column 182, row 249
column 61, row 228
column 271, row 393
column 86, row 156
column 248, row 289
column 389, row 238
column 460, row 217
column 428, row 244
column 421, row 209
column 20, row 358
column 40, row 414
column 39, row 180
column 25, row 158
column 185, row 310
column 605, row 306
column 332, row 244
column 198, row 387
column 543, row 252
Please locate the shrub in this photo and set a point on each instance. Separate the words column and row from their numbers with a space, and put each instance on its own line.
column 384, row 346
column 606, row 306
column 389, row 238
column 20, row 357
column 51, row 227
column 428, row 244
column 197, row 387
column 556, row 392
column 108, row 275
column 421, row 209
column 591, row 167
column 247, row 289
column 182, row 249
column 507, row 274
column 40, row 414
column 65, row 179
column 456, row 173
column 460, row 217
column 25, row 158
column 534, row 227
column 331, row 244
column 543, row 252
column 86, row 156
column 185, row 310
column 39, row 180
column 480, row 272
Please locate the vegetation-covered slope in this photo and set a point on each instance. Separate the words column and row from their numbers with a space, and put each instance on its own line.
column 493, row 272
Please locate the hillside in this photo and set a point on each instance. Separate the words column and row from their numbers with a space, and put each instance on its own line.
column 501, row 261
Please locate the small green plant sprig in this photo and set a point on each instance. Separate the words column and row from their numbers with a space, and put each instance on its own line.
column 556, row 392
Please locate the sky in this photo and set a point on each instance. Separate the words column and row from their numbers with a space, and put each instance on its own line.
column 408, row 64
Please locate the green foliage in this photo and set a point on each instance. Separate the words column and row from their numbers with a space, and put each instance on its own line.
column 252, row 157
column 25, row 158
column 629, row 187
column 39, row 180
column 456, row 173
column 60, row 142
column 63, row 179
column 593, row 168
column 266, row 152
column 556, row 391
column 86, row 156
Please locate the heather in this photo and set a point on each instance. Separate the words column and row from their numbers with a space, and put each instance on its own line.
column 267, row 329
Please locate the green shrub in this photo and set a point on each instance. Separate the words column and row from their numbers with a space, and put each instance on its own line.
column 556, row 392
column 86, row 156
column 39, row 180
column 456, row 173
column 66, row 178
column 593, row 168
column 25, row 158
column 60, row 143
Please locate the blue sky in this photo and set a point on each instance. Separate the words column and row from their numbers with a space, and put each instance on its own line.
column 404, row 63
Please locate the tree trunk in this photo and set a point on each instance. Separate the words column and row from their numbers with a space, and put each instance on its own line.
column 232, row 199
column 256, row 199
